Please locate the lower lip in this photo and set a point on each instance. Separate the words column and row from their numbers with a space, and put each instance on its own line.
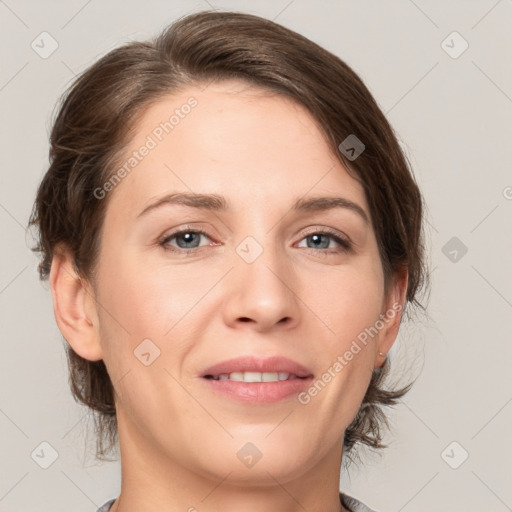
column 258, row 392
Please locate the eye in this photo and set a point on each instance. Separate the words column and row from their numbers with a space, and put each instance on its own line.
column 323, row 239
column 187, row 240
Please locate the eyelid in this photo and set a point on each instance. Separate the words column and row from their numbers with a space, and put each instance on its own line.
column 339, row 237
column 344, row 242
column 329, row 231
column 184, row 229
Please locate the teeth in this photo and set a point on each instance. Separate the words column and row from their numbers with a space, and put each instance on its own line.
column 256, row 376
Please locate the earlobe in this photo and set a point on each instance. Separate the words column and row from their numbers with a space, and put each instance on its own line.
column 74, row 307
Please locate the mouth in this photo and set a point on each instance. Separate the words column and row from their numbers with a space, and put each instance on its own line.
column 256, row 369
column 255, row 376
column 252, row 380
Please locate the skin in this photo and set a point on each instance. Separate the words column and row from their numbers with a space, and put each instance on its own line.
column 178, row 440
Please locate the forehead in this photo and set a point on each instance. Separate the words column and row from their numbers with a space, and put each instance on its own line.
column 233, row 139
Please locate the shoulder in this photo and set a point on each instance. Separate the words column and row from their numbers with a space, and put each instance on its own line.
column 106, row 506
column 353, row 504
column 349, row 502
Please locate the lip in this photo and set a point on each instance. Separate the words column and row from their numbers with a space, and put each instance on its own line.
column 256, row 364
column 258, row 392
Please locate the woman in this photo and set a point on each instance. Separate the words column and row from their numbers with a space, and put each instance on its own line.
column 231, row 234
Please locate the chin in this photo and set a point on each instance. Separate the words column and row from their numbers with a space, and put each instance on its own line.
column 257, row 460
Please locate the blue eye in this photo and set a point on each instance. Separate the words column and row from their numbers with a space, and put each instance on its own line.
column 186, row 240
column 322, row 240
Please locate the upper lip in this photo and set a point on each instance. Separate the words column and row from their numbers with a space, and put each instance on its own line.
column 256, row 364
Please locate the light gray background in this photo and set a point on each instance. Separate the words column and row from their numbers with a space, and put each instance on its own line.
column 454, row 119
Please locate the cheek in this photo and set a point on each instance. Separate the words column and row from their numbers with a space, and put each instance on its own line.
column 144, row 311
column 348, row 299
column 146, row 300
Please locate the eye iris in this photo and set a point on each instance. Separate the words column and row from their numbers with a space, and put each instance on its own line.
column 189, row 239
column 317, row 237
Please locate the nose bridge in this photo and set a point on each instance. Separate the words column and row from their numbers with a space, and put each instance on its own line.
column 263, row 262
column 261, row 284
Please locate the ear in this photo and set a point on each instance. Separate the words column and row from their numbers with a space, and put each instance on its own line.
column 74, row 307
column 393, row 306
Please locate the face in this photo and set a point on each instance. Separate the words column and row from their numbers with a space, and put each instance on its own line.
column 181, row 288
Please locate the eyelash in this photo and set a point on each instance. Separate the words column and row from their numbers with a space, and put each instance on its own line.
column 346, row 245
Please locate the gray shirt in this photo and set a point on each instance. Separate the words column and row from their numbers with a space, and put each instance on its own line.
column 347, row 501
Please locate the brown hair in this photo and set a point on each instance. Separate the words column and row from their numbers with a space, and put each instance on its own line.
column 99, row 113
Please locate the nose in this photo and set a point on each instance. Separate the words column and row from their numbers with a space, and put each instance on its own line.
column 260, row 295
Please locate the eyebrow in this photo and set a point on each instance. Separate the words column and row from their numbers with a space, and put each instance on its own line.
column 214, row 202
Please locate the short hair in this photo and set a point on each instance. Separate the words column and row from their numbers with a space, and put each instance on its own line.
column 99, row 112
